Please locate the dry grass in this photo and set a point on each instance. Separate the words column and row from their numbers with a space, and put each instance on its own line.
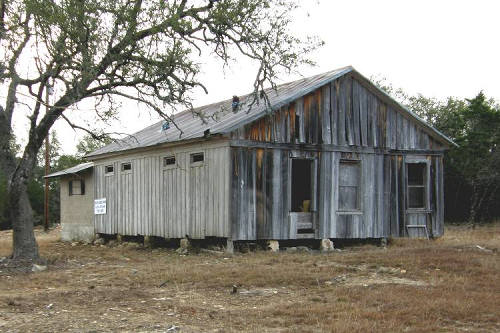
column 419, row 286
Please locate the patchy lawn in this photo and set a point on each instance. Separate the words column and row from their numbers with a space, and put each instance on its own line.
column 449, row 284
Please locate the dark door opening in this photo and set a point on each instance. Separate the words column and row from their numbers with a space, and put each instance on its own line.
column 301, row 185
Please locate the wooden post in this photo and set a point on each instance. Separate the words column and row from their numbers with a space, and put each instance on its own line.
column 229, row 246
column 47, row 168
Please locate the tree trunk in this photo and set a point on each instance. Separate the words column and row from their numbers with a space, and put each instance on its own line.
column 20, row 213
column 7, row 163
column 474, row 205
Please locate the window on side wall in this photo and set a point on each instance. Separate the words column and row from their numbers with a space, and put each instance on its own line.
column 169, row 161
column 109, row 169
column 349, row 186
column 127, row 166
column 197, row 159
column 417, row 191
column 76, row 187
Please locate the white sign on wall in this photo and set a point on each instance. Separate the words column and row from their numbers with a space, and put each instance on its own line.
column 100, row 206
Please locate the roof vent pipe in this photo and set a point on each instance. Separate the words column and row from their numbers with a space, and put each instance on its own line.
column 236, row 103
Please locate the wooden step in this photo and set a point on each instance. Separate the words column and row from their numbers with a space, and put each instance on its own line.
column 304, row 225
column 305, row 236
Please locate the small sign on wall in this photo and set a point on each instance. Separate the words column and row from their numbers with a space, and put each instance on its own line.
column 100, row 206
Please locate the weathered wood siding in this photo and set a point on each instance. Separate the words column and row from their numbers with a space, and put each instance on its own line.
column 243, row 189
column 261, row 192
column 368, row 221
column 346, row 119
column 344, row 113
column 261, row 195
column 167, row 201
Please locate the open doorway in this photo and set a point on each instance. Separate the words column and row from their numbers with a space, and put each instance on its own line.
column 301, row 185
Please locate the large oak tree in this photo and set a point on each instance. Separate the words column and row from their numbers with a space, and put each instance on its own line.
column 143, row 50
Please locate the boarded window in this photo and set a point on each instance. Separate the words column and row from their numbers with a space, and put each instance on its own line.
column 197, row 158
column 416, row 175
column 126, row 166
column 349, row 185
column 76, row 187
column 108, row 169
column 169, row 160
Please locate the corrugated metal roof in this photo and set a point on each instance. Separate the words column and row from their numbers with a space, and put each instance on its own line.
column 72, row 170
column 219, row 118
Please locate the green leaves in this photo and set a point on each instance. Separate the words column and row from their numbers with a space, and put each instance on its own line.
column 472, row 172
column 89, row 144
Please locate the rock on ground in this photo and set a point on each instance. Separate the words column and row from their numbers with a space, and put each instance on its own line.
column 38, row 268
column 326, row 245
column 273, row 245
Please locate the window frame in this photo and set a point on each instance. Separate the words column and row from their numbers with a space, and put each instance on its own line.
column 426, row 184
column 82, row 187
column 197, row 163
column 359, row 208
column 109, row 173
column 169, row 166
column 122, row 167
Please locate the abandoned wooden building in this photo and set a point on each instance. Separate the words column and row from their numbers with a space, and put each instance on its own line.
column 334, row 157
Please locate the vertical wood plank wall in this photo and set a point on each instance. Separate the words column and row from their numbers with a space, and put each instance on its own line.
column 242, row 190
column 169, row 202
column 341, row 120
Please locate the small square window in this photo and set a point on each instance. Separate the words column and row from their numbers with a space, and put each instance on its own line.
column 76, row 187
column 109, row 169
column 168, row 161
column 197, row 158
column 126, row 166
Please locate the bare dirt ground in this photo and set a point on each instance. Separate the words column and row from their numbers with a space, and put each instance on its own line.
column 450, row 284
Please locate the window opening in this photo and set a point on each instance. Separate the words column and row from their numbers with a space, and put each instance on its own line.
column 416, row 184
column 198, row 157
column 76, row 187
column 169, row 160
column 349, row 183
column 301, row 185
column 126, row 166
column 109, row 169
